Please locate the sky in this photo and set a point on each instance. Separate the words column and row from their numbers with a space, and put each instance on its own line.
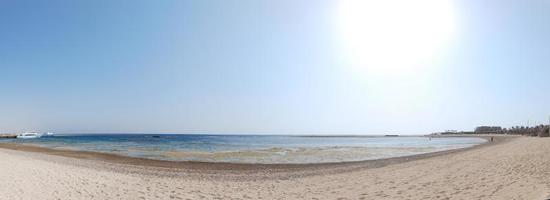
column 272, row 67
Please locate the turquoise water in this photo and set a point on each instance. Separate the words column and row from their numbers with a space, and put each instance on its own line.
column 252, row 148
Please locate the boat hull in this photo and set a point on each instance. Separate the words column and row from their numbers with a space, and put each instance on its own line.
column 28, row 137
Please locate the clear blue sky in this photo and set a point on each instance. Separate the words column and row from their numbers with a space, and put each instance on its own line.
column 255, row 66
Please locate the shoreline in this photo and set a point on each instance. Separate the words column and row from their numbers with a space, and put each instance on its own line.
column 508, row 168
column 248, row 167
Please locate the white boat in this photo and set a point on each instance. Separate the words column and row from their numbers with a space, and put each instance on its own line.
column 28, row 135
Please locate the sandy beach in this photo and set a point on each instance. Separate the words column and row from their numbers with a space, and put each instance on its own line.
column 510, row 168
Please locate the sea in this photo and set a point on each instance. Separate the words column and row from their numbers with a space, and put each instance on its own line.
column 264, row 149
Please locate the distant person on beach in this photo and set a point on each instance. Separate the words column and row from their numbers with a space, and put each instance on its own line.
column 491, row 139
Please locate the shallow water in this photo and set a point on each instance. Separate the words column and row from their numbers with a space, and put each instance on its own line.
column 252, row 148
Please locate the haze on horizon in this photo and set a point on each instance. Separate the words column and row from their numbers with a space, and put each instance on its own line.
column 278, row 67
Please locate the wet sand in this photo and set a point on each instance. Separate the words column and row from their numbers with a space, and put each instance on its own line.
column 509, row 168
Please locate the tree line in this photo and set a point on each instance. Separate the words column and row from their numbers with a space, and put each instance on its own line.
column 540, row 130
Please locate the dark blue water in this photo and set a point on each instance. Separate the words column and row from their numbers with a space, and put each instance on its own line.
column 251, row 148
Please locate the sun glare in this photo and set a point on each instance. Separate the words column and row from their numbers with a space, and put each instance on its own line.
column 388, row 36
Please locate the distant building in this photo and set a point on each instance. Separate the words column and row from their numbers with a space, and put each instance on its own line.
column 451, row 131
column 447, row 132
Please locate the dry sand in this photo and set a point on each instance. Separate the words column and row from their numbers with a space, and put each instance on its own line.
column 517, row 168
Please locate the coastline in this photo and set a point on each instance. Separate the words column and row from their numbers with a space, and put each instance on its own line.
column 304, row 169
column 509, row 168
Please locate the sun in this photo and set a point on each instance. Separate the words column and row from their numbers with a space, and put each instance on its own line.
column 392, row 36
